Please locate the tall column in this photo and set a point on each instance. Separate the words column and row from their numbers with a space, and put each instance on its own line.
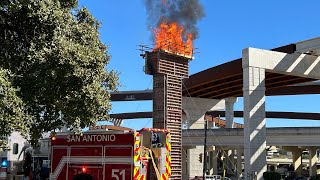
column 168, row 70
column 213, row 162
column 229, row 103
column 254, row 119
column 184, row 163
column 239, row 161
column 229, row 161
column 195, row 109
column 312, row 161
column 296, row 158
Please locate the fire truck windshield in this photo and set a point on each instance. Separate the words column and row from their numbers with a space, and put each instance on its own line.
column 158, row 139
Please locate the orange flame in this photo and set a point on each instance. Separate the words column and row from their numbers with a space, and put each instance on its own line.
column 169, row 37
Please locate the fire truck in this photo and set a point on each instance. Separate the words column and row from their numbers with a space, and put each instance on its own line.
column 108, row 153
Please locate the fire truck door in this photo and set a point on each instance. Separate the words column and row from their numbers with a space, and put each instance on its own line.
column 59, row 162
column 86, row 160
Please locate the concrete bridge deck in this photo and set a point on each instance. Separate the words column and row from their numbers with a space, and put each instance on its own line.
column 288, row 136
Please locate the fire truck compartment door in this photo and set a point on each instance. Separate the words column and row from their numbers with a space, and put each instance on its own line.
column 96, row 171
column 118, row 171
column 119, row 162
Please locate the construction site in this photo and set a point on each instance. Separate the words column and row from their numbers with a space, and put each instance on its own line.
column 194, row 135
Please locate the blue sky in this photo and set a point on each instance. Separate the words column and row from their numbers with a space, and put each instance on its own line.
column 227, row 28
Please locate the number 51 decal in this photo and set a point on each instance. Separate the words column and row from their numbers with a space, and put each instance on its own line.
column 121, row 174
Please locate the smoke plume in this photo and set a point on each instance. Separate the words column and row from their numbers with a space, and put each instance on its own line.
column 184, row 12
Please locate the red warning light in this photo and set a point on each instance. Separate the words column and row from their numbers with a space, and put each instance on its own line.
column 84, row 169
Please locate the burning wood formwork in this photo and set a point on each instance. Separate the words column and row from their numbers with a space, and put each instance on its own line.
column 168, row 70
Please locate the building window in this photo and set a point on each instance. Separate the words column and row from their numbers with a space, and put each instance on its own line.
column 15, row 148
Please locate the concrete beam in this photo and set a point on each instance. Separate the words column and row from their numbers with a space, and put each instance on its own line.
column 310, row 45
column 295, row 64
column 297, row 136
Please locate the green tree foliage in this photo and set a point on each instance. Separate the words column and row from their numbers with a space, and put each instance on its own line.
column 58, row 63
column 12, row 110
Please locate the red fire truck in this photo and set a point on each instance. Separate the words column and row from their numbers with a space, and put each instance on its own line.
column 112, row 154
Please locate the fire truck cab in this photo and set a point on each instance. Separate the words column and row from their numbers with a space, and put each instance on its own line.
column 103, row 153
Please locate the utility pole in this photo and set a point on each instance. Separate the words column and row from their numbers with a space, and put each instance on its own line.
column 205, row 150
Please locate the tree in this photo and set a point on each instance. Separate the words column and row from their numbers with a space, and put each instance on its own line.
column 58, row 63
column 12, row 110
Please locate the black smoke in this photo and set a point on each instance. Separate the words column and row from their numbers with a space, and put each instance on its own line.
column 185, row 12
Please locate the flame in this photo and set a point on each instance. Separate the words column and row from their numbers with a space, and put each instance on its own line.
column 169, row 37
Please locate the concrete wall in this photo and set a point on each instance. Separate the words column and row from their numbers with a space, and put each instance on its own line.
column 15, row 138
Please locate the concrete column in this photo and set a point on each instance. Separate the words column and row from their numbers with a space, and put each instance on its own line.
column 312, row 161
column 230, row 161
column 213, row 168
column 225, row 160
column 254, row 119
column 296, row 158
column 239, row 161
column 184, row 163
column 229, row 103
column 275, row 167
column 195, row 109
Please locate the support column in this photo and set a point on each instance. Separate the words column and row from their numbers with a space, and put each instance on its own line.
column 254, row 119
column 229, row 161
column 225, row 160
column 275, row 167
column 229, row 103
column 296, row 158
column 239, row 161
column 213, row 162
column 312, row 161
column 184, row 163
column 195, row 109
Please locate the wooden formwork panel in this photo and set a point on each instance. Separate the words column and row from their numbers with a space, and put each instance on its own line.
column 172, row 68
column 168, row 70
column 159, row 99
column 166, row 63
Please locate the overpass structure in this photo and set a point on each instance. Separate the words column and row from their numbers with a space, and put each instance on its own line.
column 294, row 139
column 288, row 70
column 233, row 137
